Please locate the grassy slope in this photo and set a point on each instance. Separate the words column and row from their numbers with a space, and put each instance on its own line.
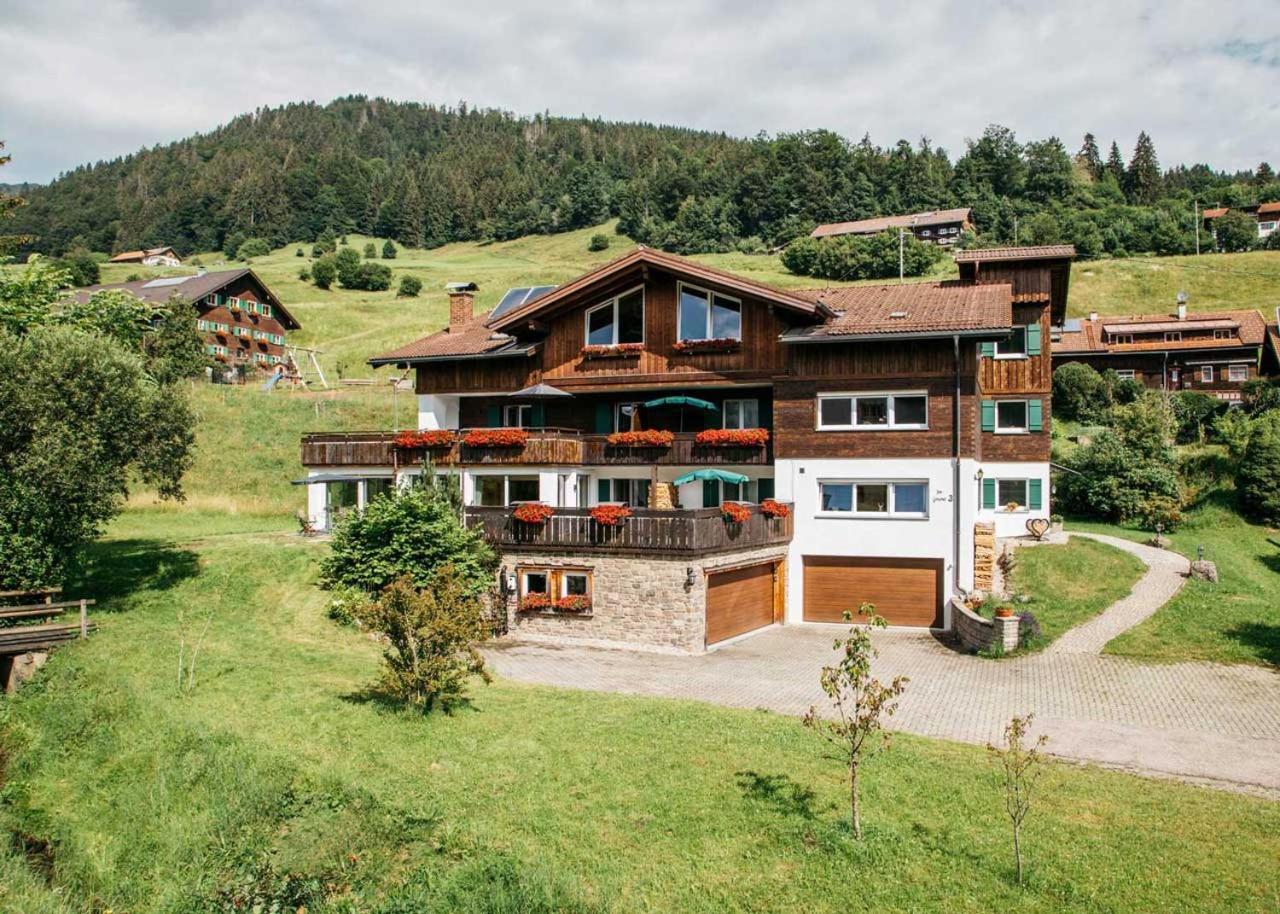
column 277, row 764
column 1062, row 597
column 1215, row 282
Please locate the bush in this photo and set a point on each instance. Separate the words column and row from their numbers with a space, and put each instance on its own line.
column 1030, row 634
column 304, row 274
column 1079, row 393
column 1121, row 390
column 324, row 271
column 410, row 287
column 252, row 247
column 348, row 264
column 850, row 257
column 299, row 253
column 1160, row 510
column 346, row 604
column 370, row 250
column 373, row 277
column 388, row 250
column 1236, row 231
column 1261, row 394
column 1258, row 477
column 599, row 242
column 231, row 244
column 1195, row 412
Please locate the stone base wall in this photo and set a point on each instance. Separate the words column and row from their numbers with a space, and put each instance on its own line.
column 978, row 633
column 637, row 602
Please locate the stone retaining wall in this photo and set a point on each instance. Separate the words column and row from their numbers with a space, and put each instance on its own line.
column 978, row 633
column 637, row 602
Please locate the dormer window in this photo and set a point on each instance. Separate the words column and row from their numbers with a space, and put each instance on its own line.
column 1173, row 336
column 1222, row 334
column 707, row 315
column 1122, row 339
column 619, row 320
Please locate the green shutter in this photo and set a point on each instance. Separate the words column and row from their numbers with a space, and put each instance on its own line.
column 603, row 492
column 493, row 415
column 989, row 494
column 766, row 413
column 1035, row 415
column 987, row 350
column 1033, row 339
column 764, row 488
column 539, row 415
column 988, row 415
column 1033, row 494
column 710, row 493
column 604, row 418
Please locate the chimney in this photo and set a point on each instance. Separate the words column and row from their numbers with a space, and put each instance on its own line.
column 462, row 304
column 1093, row 316
column 1182, row 306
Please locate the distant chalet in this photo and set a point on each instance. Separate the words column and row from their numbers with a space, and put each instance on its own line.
column 943, row 226
column 151, row 257
column 239, row 318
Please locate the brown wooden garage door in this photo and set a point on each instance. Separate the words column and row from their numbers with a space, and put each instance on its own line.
column 739, row 601
column 904, row 591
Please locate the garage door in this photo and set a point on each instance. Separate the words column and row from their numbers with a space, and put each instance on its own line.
column 739, row 601
column 904, row 591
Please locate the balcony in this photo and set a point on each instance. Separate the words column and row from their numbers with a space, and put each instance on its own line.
column 703, row 531
column 545, row 447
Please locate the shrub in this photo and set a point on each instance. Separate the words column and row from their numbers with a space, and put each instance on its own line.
column 1079, row 393
column 370, row 250
column 1194, row 412
column 1236, row 231
column 599, row 242
column 1233, row 429
column 231, row 244
column 323, row 272
column 346, row 603
column 348, row 264
column 1260, row 395
column 304, row 274
column 81, row 266
column 410, row 287
column 860, row 256
column 373, row 277
column 1029, row 632
column 299, row 253
column 388, row 250
column 1162, row 510
column 252, row 247
column 1258, row 478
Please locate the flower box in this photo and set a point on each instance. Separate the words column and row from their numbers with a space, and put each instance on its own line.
column 496, row 437
column 735, row 513
column 732, row 437
column 535, row 602
column 725, row 344
column 432, row 438
column 543, row 603
column 771, row 508
column 533, row 512
column 574, row 604
column 619, row 351
column 651, row 437
column 610, row 515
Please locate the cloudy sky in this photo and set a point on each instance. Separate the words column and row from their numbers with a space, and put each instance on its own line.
column 87, row 81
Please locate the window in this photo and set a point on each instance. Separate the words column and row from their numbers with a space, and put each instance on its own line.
column 1124, row 374
column 535, row 582
column 1015, row 347
column 1222, row 334
column 264, row 310
column 1238, row 373
column 1266, row 226
column 741, row 413
column 926, row 232
column 517, row 415
column 1123, row 339
column 627, row 417
column 873, row 411
column 500, row 491
column 1011, row 416
column 706, row 315
column 1173, row 336
column 339, row 497
column 873, row 497
column 1206, row 374
column 377, row 486
column 617, row 321
column 555, row 584
column 634, row 492
column 1011, row 492
column 575, row 584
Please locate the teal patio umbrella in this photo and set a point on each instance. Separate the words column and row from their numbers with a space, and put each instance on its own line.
column 707, row 473
column 682, row 401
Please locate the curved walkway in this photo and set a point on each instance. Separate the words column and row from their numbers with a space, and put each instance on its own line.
column 1166, row 573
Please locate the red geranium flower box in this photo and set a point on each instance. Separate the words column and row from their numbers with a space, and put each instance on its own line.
column 724, row 344
column 573, row 604
column 619, row 351
column 432, row 438
column 650, row 437
column 733, row 437
column 535, row 602
column 771, row 508
column 734, row 512
column 610, row 515
column 496, row 437
column 533, row 512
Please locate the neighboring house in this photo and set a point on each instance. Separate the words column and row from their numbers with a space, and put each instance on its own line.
column 151, row 257
column 1213, row 353
column 240, row 319
column 939, row 226
column 902, row 422
column 1266, row 214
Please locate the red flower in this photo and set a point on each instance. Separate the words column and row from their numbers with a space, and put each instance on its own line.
column 439, row 437
column 573, row 604
column 734, row 512
column 535, row 602
column 650, row 437
column 724, row 344
column 619, row 351
column 771, row 508
column 733, row 437
column 496, row 437
column 533, row 512
column 610, row 515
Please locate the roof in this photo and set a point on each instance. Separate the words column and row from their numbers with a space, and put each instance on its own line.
column 881, row 223
column 918, row 308
column 472, row 340
column 1029, row 252
column 127, row 256
column 642, row 255
column 192, row 287
column 1214, row 213
column 1088, row 338
column 1268, row 209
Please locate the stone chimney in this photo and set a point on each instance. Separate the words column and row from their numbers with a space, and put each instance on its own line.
column 462, row 304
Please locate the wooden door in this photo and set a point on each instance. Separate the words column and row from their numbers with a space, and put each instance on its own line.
column 904, row 591
column 739, row 601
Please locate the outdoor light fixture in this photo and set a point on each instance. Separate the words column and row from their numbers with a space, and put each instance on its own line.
column 689, row 579
column 1200, row 552
column 978, row 475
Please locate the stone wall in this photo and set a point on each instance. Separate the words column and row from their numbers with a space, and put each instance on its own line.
column 977, row 633
column 637, row 602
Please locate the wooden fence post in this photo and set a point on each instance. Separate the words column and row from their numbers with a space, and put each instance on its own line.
column 84, row 619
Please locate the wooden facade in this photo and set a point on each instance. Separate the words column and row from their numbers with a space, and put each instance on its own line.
column 1179, row 370
column 250, row 337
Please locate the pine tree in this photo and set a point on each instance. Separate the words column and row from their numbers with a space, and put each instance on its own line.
column 1142, row 180
column 1263, row 174
column 1090, row 158
column 1115, row 163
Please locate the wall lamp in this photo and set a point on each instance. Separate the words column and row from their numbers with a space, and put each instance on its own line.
column 689, row 578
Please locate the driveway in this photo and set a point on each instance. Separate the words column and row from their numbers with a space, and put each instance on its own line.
column 1201, row 722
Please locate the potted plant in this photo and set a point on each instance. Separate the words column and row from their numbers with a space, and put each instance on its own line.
column 430, row 438
column 732, row 437
column 617, row 351
column 1055, row 523
column 775, row 509
column 1004, row 610
column 574, row 604
column 532, row 512
column 535, row 602
column 650, row 437
column 725, row 344
column 610, row 515
column 496, row 437
column 734, row 512
column 1011, row 507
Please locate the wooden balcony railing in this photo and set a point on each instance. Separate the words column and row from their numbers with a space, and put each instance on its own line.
column 546, row 446
column 700, row 531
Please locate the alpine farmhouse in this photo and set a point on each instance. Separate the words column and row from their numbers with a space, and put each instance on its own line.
column 783, row 456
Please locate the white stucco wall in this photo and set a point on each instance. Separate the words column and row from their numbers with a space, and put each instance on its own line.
column 437, row 411
column 1014, row 524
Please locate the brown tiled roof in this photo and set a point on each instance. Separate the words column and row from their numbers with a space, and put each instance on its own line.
column 128, row 256
column 470, row 340
column 1029, row 252
column 910, row 308
column 1214, row 213
column 881, row 223
column 193, row 288
column 1249, row 325
column 1267, row 209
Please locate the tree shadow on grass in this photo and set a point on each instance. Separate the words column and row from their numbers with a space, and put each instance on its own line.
column 1261, row 638
column 383, row 701
column 778, row 791
column 116, row 570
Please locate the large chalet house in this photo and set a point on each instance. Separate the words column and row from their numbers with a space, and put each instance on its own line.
column 1213, row 353
column 784, row 456
column 943, row 226
column 1267, row 215
column 240, row 320
column 151, row 257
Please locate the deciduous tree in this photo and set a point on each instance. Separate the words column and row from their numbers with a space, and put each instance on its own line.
column 1020, row 767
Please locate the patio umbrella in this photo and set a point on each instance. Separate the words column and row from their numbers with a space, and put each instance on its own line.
column 682, row 401
column 711, row 473
column 540, row 392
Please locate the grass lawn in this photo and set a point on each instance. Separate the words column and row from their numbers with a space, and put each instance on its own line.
column 280, row 779
column 1073, row 582
column 1144, row 285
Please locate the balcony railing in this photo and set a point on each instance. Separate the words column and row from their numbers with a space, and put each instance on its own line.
column 546, row 446
column 673, row 533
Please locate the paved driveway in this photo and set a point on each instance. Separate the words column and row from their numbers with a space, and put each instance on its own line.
column 1195, row 721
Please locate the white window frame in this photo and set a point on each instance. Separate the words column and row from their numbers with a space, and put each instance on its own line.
column 1023, row 503
column 566, row 573
column 524, row 580
column 891, row 514
column 613, row 303
column 707, row 327
column 1222, row 334
column 742, row 402
column 1231, row 373
column 1122, row 339
column 1125, row 374
column 1266, row 226
column 889, row 426
column 519, row 410
column 617, row 414
column 506, row 488
column 1206, row 374
column 1173, row 336
column 1014, row 355
column 1014, row 429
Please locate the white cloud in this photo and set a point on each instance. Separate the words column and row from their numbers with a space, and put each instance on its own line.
column 90, row 82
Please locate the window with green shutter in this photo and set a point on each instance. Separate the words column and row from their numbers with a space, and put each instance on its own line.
column 604, row 491
column 1035, row 415
column 1033, row 339
column 988, row 415
column 988, row 494
column 987, row 350
column 1034, row 496
column 493, row 415
column 710, row 493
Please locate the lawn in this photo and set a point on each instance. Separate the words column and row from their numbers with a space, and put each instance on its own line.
column 279, row 778
column 1146, row 285
column 1072, row 582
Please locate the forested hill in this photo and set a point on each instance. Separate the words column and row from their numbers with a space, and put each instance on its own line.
column 426, row 175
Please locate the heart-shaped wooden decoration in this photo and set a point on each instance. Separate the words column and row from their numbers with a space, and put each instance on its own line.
column 1038, row 527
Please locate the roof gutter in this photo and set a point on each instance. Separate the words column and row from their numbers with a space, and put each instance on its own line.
column 469, row 357
column 994, row 332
